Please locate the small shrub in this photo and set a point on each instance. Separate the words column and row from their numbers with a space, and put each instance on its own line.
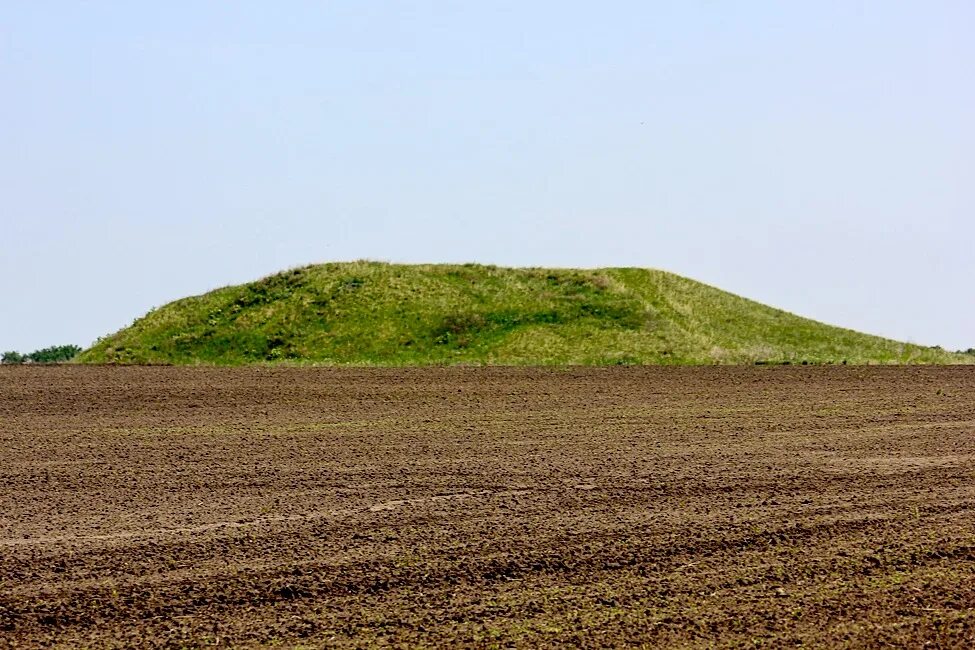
column 458, row 329
column 54, row 354
column 12, row 358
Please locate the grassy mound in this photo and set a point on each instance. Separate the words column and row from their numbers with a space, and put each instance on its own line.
column 391, row 314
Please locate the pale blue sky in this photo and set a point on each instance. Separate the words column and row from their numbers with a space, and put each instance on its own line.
column 817, row 156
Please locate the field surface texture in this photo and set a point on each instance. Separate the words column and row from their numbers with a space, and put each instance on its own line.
column 487, row 507
column 370, row 313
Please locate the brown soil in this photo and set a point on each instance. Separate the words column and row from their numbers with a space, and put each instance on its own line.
column 487, row 507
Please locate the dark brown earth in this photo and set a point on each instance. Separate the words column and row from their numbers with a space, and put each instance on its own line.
column 487, row 507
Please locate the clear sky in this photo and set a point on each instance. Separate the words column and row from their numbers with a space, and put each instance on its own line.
column 817, row 156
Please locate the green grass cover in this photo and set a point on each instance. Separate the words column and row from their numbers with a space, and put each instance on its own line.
column 371, row 313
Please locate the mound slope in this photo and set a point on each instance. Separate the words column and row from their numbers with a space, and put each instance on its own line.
column 390, row 314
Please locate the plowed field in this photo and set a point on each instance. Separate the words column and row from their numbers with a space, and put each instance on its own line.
column 827, row 506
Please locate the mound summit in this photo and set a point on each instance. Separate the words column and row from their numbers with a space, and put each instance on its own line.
column 371, row 313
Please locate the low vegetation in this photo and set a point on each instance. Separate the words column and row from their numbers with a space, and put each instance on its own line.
column 53, row 354
column 371, row 313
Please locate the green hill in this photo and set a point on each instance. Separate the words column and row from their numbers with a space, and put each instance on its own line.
column 390, row 314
